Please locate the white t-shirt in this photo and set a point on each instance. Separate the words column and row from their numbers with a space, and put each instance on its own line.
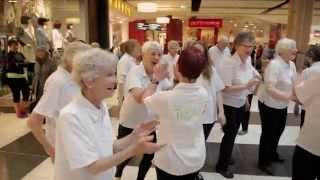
column 180, row 112
column 213, row 87
column 124, row 65
column 84, row 135
column 234, row 72
column 59, row 90
column 309, row 94
column 310, row 72
column 172, row 61
column 283, row 75
column 218, row 56
column 132, row 113
column 57, row 39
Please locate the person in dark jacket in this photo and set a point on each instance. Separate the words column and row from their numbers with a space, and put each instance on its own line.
column 17, row 78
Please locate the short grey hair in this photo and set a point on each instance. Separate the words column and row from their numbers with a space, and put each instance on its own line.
column 151, row 46
column 173, row 45
column 90, row 64
column 223, row 39
column 71, row 50
column 285, row 44
column 243, row 37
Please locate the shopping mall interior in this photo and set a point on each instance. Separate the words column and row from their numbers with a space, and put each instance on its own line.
column 109, row 23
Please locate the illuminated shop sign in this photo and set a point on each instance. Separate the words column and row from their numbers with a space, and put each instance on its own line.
column 214, row 23
column 121, row 6
column 145, row 26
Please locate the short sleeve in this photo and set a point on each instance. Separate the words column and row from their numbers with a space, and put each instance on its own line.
column 134, row 80
column 78, row 146
column 122, row 71
column 272, row 73
column 48, row 104
column 227, row 73
column 155, row 101
column 218, row 83
column 308, row 89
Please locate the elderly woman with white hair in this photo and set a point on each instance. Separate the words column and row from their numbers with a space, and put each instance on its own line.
column 85, row 149
column 172, row 57
column 279, row 79
column 59, row 89
column 142, row 80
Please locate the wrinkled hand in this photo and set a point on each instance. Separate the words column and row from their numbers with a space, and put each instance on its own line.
column 50, row 151
column 142, row 140
column 160, row 71
column 144, row 129
column 252, row 82
column 222, row 119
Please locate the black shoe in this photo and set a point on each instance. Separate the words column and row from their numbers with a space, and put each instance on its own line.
column 266, row 169
column 231, row 161
column 278, row 159
column 199, row 177
column 227, row 174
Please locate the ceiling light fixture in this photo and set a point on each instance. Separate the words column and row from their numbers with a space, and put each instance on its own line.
column 182, row 6
column 163, row 20
column 147, row 7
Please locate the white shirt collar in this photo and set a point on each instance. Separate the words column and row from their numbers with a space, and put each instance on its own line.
column 283, row 62
column 316, row 64
column 239, row 61
column 94, row 111
column 186, row 86
column 142, row 70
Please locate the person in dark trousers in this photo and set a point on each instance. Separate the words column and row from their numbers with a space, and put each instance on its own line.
column 238, row 76
column 306, row 157
column 279, row 79
column 17, row 78
column 44, row 67
column 314, row 54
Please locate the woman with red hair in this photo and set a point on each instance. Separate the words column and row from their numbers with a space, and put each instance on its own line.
column 180, row 113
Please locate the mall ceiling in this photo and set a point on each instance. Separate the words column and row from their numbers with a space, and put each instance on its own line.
column 227, row 9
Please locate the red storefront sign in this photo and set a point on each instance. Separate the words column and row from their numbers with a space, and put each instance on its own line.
column 213, row 23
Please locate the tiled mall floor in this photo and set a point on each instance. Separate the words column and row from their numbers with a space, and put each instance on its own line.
column 21, row 157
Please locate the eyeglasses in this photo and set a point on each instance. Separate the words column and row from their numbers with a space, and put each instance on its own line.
column 247, row 45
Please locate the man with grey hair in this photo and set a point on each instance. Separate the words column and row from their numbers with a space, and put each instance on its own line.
column 279, row 79
column 44, row 67
column 218, row 52
column 142, row 81
column 59, row 89
column 172, row 57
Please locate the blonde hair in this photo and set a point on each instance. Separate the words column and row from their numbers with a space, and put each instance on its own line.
column 71, row 50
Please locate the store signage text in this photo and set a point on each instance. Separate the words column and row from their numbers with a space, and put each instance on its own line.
column 214, row 23
column 121, row 6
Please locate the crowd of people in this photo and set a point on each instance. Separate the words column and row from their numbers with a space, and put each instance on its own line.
column 169, row 105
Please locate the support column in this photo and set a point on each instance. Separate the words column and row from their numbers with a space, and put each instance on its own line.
column 98, row 22
column 216, row 35
column 299, row 26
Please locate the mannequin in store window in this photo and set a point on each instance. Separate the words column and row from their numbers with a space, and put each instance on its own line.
column 42, row 35
column 57, row 37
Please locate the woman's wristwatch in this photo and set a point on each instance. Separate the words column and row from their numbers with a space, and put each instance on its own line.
column 154, row 81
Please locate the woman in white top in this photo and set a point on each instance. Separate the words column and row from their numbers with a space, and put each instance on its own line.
column 141, row 79
column 85, row 149
column 279, row 78
column 314, row 54
column 180, row 113
column 172, row 57
column 57, row 37
column 238, row 76
column 58, row 91
column 125, row 64
column 211, row 81
column 306, row 158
